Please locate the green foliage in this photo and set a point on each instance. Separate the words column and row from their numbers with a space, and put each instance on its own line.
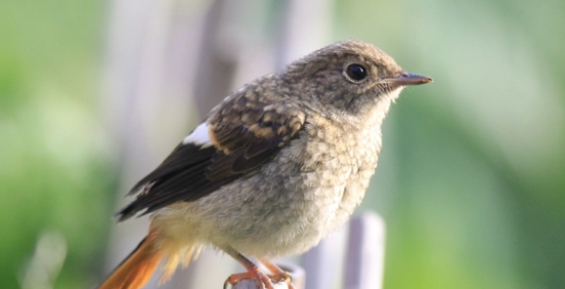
column 55, row 173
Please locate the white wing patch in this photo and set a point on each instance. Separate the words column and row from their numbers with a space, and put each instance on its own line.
column 199, row 136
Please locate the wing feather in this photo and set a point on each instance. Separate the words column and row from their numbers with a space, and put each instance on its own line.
column 242, row 142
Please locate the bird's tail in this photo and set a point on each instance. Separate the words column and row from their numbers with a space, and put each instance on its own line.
column 136, row 269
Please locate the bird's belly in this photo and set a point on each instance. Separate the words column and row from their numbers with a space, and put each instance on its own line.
column 290, row 213
column 287, row 224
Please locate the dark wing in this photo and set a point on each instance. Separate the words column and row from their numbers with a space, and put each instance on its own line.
column 241, row 135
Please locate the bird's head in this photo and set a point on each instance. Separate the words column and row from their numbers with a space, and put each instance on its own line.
column 349, row 77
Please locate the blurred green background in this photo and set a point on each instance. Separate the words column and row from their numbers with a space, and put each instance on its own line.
column 471, row 181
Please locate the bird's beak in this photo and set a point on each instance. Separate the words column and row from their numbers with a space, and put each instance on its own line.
column 407, row 78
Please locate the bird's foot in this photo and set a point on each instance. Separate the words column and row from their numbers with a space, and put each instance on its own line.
column 279, row 274
column 262, row 280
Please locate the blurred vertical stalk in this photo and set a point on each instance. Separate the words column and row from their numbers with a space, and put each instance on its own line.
column 46, row 262
column 304, row 26
column 147, row 90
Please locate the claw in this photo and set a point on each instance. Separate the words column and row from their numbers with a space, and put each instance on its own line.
column 263, row 281
column 279, row 274
column 282, row 277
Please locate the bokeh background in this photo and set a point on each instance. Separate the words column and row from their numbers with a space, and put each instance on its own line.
column 471, row 181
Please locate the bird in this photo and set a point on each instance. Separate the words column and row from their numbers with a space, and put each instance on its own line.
column 274, row 168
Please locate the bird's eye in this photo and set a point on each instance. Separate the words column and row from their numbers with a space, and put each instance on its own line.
column 356, row 72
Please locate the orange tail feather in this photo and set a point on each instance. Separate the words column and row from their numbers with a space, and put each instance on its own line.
column 136, row 269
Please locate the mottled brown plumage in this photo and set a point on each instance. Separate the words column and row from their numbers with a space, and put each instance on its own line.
column 278, row 165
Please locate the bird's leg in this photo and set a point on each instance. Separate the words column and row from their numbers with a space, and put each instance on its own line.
column 279, row 274
column 253, row 272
